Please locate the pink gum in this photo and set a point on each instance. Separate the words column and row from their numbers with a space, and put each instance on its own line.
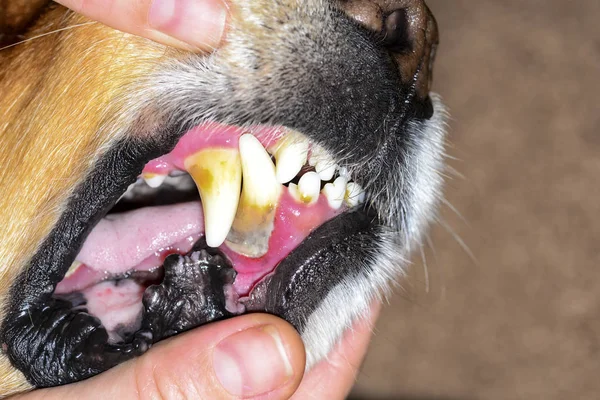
column 209, row 135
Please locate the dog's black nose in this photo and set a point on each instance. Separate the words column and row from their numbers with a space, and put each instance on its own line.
column 407, row 29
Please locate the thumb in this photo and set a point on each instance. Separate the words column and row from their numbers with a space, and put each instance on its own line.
column 246, row 356
column 187, row 24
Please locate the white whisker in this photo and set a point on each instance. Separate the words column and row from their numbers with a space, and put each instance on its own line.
column 459, row 240
column 48, row 33
column 425, row 268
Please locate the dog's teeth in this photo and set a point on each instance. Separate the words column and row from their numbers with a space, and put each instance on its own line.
column 323, row 163
column 260, row 182
column 335, row 192
column 73, row 268
column 355, row 194
column 218, row 176
column 294, row 192
column 290, row 154
column 309, row 187
column 325, row 169
column 253, row 223
column 154, row 180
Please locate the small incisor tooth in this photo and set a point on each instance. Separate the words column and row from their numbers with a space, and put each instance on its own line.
column 153, row 180
column 309, row 187
column 217, row 173
column 290, row 154
column 323, row 163
column 355, row 194
column 317, row 153
column 325, row 169
column 335, row 192
column 255, row 216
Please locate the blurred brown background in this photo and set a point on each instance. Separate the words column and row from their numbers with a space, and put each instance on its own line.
column 522, row 321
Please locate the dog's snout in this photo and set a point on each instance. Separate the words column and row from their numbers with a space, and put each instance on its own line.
column 407, row 30
column 367, row 12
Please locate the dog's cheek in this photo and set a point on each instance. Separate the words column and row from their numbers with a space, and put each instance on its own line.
column 61, row 113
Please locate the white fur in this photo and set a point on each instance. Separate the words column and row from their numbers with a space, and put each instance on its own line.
column 353, row 296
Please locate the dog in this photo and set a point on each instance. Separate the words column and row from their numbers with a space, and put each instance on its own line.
column 290, row 172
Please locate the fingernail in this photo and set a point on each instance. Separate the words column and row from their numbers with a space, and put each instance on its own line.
column 252, row 362
column 199, row 23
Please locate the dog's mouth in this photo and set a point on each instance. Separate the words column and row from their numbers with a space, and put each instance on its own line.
column 255, row 194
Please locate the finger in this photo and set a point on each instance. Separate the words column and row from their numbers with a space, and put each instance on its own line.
column 334, row 377
column 196, row 25
column 247, row 356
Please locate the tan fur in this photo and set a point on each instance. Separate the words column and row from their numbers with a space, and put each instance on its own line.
column 46, row 150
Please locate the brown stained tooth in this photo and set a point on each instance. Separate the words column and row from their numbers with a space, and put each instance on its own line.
column 307, row 190
column 253, row 223
column 217, row 173
column 154, row 180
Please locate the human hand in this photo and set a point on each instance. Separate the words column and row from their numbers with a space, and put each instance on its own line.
column 195, row 25
column 254, row 355
column 334, row 377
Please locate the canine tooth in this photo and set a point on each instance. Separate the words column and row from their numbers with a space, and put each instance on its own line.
column 73, row 268
column 217, row 173
column 253, row 223
column 355, row 194
column 153, row 180
column 334, row 192
column 309, row 187
column 290, row 155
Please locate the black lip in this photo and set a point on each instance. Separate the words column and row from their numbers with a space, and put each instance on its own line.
column 90, row 202
column 333, row 252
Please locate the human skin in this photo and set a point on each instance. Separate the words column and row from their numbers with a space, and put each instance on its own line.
column 196, row 25
column 190, row 365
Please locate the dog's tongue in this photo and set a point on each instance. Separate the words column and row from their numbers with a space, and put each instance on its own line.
column 138, row 239
column 141, row 239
